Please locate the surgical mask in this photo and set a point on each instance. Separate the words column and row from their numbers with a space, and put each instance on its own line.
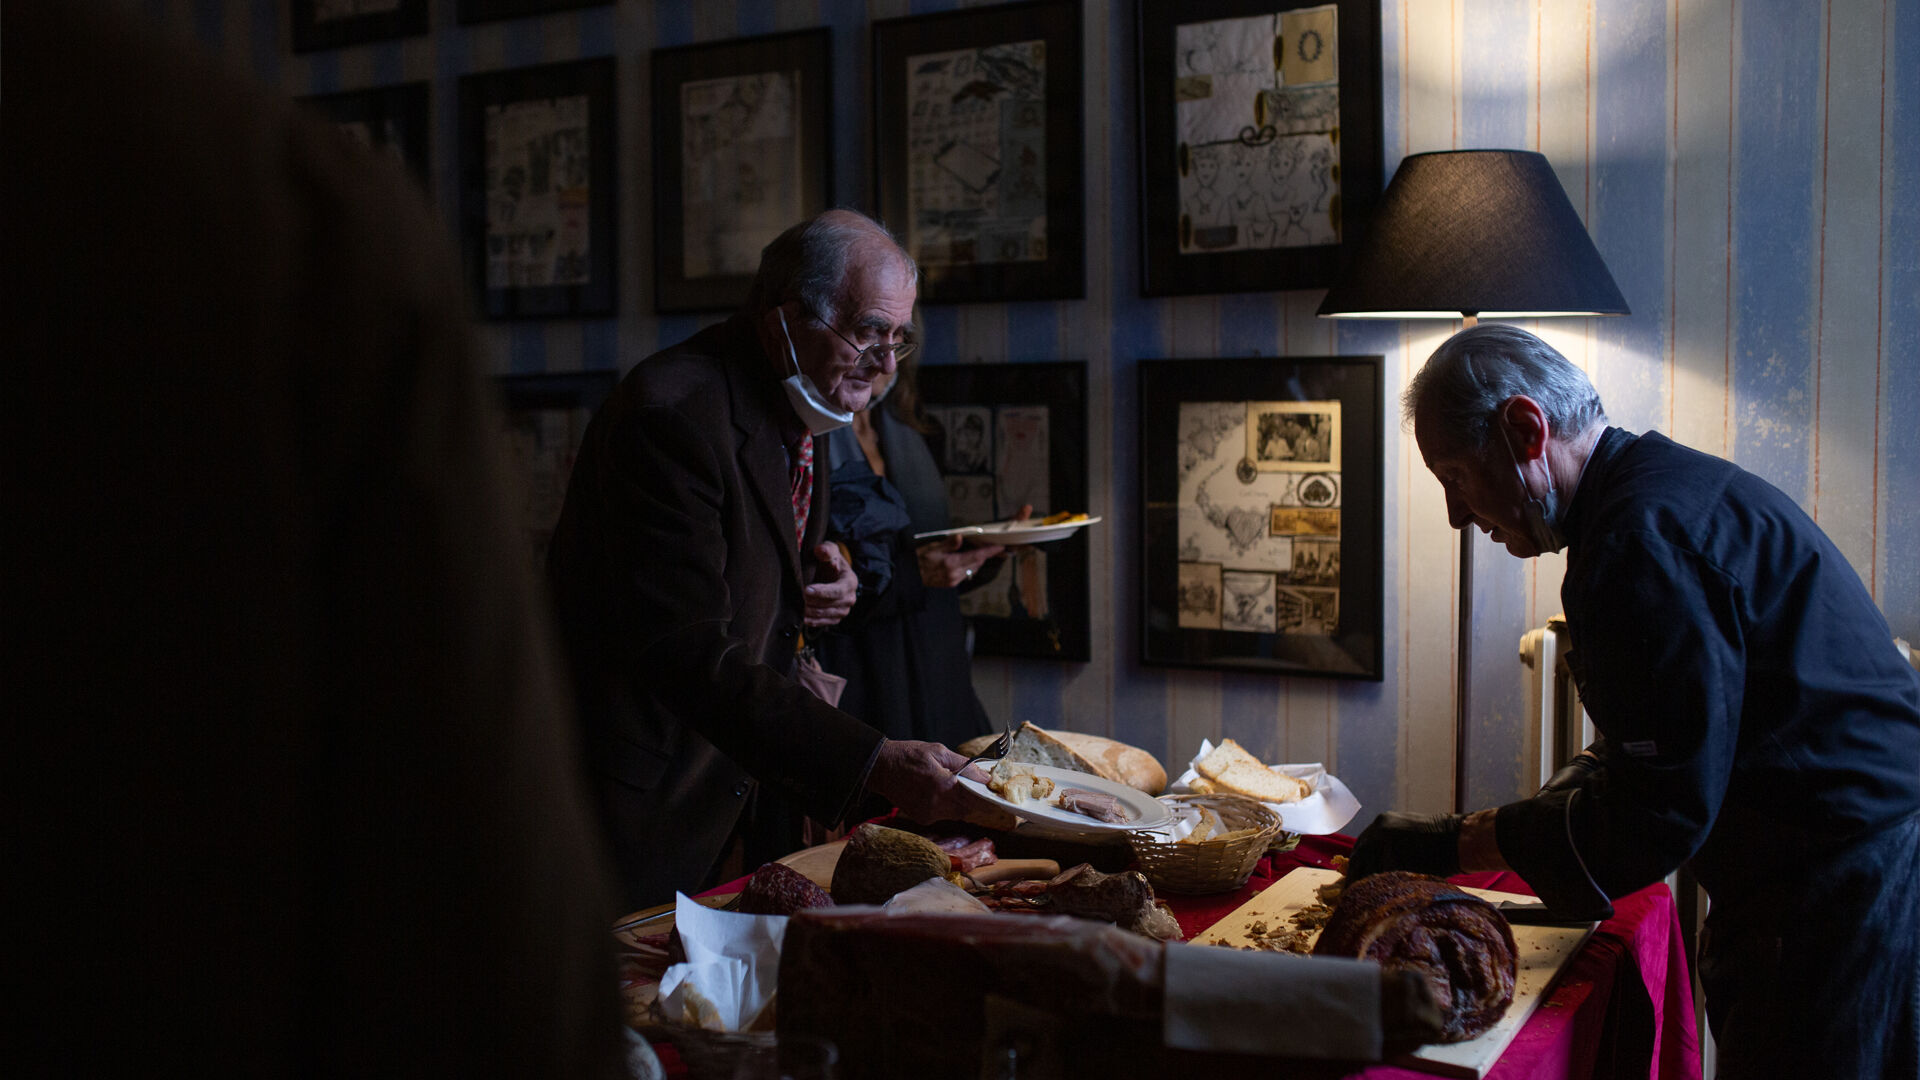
column 1542, row 515
column 808, row 402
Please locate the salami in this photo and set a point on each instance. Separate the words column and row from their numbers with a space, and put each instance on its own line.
column 779, row 889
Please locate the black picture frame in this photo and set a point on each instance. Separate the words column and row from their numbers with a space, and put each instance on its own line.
column 393, row 119
column 474, row 11
column 1304, row 195
column 945, row 240
column 1284, row 545
column 792, row 187
column 309, row 31
column 546, row 419
column 950, row 392
column 501, row 213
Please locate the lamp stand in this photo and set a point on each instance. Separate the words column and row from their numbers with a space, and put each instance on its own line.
column 1463, row 655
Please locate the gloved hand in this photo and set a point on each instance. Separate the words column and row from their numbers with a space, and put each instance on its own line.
column 1572, row 774
column 1422, row 843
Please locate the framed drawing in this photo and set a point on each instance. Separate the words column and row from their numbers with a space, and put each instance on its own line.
column 742, row 135
column 330, row 24
column 389, row 119
column 547, row 417
column 1263, row 546
column 1008, row 435
column 1259, row 142
column 473, row 11
column 977, row 149
column 537, row 197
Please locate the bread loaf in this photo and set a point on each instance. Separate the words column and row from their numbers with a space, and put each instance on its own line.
column 1230, row 768
column 1460, row 944
column 1102, row 757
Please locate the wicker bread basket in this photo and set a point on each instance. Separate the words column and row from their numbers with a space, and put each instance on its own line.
column 708, row 1055
column 1215, row 864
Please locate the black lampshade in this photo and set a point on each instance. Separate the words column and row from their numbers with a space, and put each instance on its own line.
column 1475, row 232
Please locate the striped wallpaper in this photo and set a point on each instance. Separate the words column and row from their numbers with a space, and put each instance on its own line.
column 1750, row 170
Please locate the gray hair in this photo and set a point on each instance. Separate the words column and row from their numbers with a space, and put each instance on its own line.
column 810, row 263
column 1475, row 370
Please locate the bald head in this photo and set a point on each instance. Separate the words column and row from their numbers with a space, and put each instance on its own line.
column 814, row 262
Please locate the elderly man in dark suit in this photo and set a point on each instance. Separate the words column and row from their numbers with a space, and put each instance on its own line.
column 689, row 557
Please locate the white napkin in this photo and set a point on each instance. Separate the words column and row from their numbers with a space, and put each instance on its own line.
column 1257, row 1002
column 1325, row 811
column 732, row 968
column 935, row 895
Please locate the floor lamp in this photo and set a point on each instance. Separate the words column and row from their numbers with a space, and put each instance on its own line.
column 1471, row 234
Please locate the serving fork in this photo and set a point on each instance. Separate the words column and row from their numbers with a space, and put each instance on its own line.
column 994, row 751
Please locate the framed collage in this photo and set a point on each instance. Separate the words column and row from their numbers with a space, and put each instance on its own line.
column 1262, row 545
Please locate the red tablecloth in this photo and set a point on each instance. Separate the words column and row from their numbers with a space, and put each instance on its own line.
column 1623, row 1008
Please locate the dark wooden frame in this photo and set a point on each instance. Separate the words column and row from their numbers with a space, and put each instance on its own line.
column 473, row 11
column 307, row 34
column 808, row 51
column 1165, row 270
column 1062, row 274
column 526, row 396
column 595, row 79
column 405, row 105
column 1066, row 633
column 1355, row 649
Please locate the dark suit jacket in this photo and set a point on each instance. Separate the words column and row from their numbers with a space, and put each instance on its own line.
column 679, row 587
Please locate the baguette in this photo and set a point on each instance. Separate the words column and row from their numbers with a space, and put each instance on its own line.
column 1230, row 768
column 1102, row 757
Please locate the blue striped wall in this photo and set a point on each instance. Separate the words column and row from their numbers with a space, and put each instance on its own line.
column 1750, row 169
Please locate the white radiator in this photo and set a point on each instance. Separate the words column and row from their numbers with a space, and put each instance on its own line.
column 1556, row 727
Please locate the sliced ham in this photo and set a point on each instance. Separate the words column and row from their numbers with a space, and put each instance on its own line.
column 1094, row 805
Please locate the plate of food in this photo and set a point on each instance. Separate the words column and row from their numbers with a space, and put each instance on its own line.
column 1017, row 531
column 1066, row 801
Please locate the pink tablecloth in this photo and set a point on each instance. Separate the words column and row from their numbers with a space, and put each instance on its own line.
column 1623, row 1008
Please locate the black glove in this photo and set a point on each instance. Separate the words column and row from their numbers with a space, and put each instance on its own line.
column 1422, row 843
column 1572, row 774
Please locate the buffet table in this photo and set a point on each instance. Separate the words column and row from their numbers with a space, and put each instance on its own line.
column 1622, row 1008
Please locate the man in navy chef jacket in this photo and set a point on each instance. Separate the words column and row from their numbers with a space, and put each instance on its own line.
column 1757, row 723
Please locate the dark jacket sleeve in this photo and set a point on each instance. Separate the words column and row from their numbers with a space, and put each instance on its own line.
column 668, row 479
column 1659, row 656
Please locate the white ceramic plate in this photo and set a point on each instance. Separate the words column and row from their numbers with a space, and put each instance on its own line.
column 1012, row 532
column 1146, row 811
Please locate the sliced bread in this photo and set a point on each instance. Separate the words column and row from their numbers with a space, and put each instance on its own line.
column 1232, row 769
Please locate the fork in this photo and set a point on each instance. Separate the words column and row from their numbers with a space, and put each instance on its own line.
column 994, row 751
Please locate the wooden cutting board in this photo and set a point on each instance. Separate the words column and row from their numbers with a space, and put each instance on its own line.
column 1542, row 952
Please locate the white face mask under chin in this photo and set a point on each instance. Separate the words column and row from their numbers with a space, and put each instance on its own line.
column 809, row 404
column 1542, row 515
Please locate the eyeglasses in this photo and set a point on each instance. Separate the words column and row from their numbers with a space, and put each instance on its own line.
column 879, row 350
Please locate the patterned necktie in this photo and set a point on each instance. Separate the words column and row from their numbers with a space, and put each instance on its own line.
column 800, row 476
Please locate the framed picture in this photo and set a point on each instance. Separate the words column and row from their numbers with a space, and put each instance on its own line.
column 547, row 417
column 330, row 24
column 537, row 198
column 1259, row 142
column 1263, row 548
column 1005, row 436
column 977, row 149
column 473, row 11
column 742, row 135
column 389, row 119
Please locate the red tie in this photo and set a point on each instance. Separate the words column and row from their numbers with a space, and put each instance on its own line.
column 800, row 475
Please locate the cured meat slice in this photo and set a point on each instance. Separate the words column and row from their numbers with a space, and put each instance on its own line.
column 779, row 889
column 1460, row 944
column 1094, row 804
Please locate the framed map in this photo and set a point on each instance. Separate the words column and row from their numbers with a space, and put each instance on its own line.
column 1262, row 479
column 741, row 132
column 537, row 189
column 1259, row 141
column 1007, row 436
column 977, row 149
